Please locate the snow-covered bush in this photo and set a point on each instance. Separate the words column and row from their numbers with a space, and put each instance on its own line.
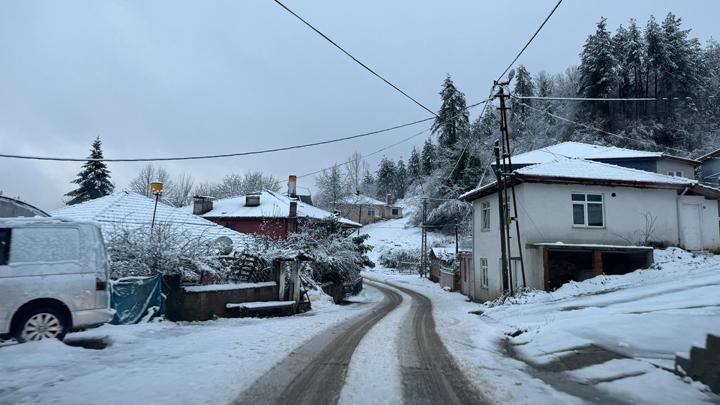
column 330, row 254
column 400, row 258
column 136, row 251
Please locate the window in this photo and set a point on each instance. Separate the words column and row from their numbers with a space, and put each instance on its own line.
column 587, row 210
column 371, row 212
column 394, row 211
column 675, row 173
column 33, row 245
column 4, row 246
column 484, row 272
column 485, row 216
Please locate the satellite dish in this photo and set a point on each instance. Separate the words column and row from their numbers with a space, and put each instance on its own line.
column 224, row 245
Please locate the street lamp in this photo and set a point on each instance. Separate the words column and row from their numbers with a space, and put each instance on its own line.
column 156, row 187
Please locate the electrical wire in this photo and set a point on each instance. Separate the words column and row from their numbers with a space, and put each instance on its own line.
column 530, row 40
column 224, row 155
column 486, row 101
column 355, row 59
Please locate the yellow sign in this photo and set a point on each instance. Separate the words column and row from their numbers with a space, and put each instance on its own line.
column 156, row 187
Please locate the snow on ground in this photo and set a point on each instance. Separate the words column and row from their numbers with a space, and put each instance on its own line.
column 374, row 373
column 163, row 362
column 643, row 318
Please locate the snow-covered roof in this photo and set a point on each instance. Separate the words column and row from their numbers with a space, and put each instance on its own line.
column 443, row 253
column 588, row 169
column 272, row 205
column 357, row 199
column 579, row 150
column 713, row 154
column 128, row 209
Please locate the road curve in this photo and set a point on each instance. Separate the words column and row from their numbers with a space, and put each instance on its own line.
column 315, row 372
column 430, row 374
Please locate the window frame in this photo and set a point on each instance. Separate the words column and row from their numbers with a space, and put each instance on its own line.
column 484, row 271
column 395, row 211
column 485, row 208
column 675, row 173
column 585, row 203
column 372, row 212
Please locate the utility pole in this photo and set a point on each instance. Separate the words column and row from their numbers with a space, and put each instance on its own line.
column 505, row 170
column 423, row 248
column 501, row 211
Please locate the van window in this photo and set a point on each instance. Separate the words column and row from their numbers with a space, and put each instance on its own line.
column 4, row 246
column 32, row 245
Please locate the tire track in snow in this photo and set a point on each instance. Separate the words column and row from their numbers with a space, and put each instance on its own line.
column 315, row 372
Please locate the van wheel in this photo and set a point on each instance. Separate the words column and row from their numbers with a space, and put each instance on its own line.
column 41, row 323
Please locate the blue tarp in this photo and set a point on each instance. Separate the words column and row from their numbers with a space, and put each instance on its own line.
column 135, row 298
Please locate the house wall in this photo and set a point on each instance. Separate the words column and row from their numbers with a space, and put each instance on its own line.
column 387, row 212
column 467, row 276
column 486, row 244
column 352, row 212
column 666, row 165
column 545, row 215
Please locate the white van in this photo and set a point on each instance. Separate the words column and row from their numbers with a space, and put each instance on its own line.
column 53, row 278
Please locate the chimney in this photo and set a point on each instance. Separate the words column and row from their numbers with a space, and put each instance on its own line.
column 292, row 186
column 202, row 205
column 292, row 217
column 252, row 200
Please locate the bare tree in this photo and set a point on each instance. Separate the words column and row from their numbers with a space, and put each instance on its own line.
column 182, row 191
column 148, row 174
column 355, row 170
column 235, row 184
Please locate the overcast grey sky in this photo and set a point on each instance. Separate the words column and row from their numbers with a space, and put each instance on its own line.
column 188, row 77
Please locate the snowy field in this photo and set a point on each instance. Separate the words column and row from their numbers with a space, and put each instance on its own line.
column 163, row 362
column 635, row 324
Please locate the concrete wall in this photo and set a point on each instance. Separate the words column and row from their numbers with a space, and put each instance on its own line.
column 450, row 279
column 486, row 244
column 667, row 165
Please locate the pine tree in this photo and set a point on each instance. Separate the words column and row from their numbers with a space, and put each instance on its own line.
column 656, row 56
column 453, row 117
column 401, row 179
column 386, row 178
column 414, row 166
column 93, row 180
column 524, row 85
column 428, row 158
column 597, row 66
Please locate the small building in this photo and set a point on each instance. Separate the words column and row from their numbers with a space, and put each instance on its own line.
column 656, row 162
column 367, row 210
column 441, row 258
column 579, row 218
column 710, row 168
column 265, row 213
column 11, row 208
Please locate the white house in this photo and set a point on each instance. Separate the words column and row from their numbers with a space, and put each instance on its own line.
column 367, row 210
column 580, row 218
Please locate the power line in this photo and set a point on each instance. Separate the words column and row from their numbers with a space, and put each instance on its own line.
column 606, row 99
column 530, row 40
column 224, row 155
column 590, row 127
column 369, row 154
column 354, row 58
column 486, row 101
column 527, row 44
